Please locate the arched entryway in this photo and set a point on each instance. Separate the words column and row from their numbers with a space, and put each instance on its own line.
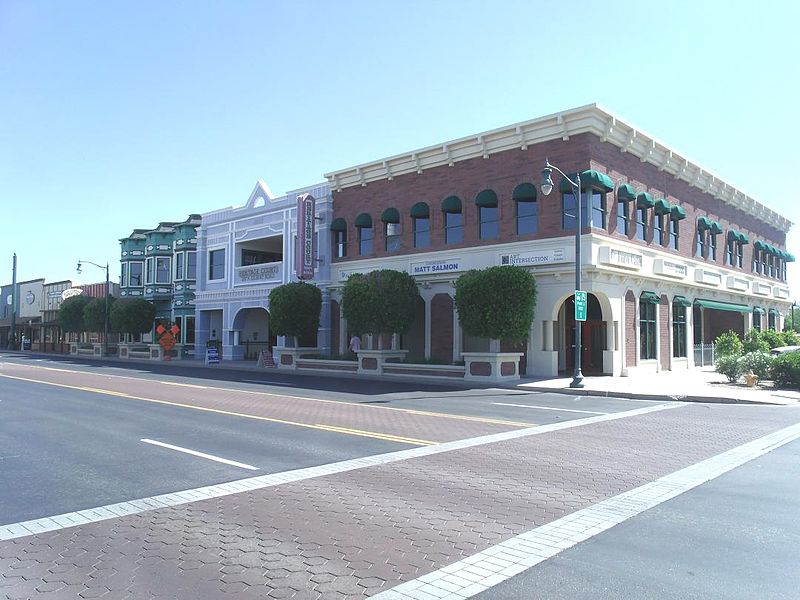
column 593, row 336
column 250, row 333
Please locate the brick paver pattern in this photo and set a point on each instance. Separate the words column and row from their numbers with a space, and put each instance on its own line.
column 354, row 534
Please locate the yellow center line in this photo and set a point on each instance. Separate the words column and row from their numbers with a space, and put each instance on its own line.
column 424, row 413
column 344, row 430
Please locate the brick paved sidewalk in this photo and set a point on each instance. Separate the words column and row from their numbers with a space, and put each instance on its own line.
column 354, row 534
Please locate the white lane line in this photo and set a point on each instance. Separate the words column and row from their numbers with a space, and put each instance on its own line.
column 200, row 454
column 588, row 412
column 25, row 528
column 481, row 571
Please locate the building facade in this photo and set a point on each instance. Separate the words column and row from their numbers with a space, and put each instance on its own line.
column 160, row 266
column 243, row 253
column 672, row 256
column 6, row 310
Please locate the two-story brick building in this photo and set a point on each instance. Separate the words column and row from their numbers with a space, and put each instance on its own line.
column 672, row 254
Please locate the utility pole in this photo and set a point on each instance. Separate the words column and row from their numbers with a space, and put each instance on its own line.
column 12, row 337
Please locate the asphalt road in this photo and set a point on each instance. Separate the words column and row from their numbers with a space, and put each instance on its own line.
column 737, row 536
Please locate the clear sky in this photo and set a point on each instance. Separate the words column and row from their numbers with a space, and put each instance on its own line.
column 118, row 115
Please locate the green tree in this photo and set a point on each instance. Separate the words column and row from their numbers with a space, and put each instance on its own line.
column 294, row 310
column 754, row 342
column 497, row 303
column 380, row 302
column 132, row 316
column 70, row 314
column 728, row 344
column 94, row 314
column 773, row 338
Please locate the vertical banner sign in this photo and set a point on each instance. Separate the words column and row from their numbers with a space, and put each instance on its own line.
column 304, row 254
column 580, row 305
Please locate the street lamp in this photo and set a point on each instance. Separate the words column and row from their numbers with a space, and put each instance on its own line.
column 547, row 187
column 108, row 290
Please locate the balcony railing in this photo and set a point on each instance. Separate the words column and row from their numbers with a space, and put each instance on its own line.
column 257, row 274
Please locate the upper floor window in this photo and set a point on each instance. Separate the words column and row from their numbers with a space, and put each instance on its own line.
column 191, row 265
column 488, row 215
column 712, row 245
column 674, row 231
column 660, row 220
column 453, row 220
column 339, row 231
column 702, row 243
column 644, row 202
column 524, row 197
column 730, row 251
column 658, row 224
column 179, row 264
column 593, row 215
column 148, row 270
column 364, row 225
column 123, row 279
column 756, row 260
column 625, row 195
column 421, row 225
column 391, row 229
column 135, row 274
column 216, row 264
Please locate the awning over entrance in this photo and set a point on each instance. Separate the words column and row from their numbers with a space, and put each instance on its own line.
column 716, row 305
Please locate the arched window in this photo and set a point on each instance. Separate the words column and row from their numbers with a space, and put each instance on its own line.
column 524, row 196
column 453, row 220
column 339, row 233
column 364, row 225
column 421, row 223
column 391, row 229
column 488, row 215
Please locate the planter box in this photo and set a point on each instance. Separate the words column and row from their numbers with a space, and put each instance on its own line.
column 286, row 358
column 424, row 370
column 491, row 366
column 371, row 362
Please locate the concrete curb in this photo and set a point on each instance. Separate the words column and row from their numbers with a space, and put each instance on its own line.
column 654, row 397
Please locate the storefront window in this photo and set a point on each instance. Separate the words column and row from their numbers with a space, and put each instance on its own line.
column 647, row 330
column 678, row 330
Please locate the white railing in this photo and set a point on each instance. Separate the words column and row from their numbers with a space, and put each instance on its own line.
column 255, row 274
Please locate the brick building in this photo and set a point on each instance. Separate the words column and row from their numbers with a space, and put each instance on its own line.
column 672, row 255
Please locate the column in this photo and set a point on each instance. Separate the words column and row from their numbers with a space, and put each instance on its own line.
column 427, row 327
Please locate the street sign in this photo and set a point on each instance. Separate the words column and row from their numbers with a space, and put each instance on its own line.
column 580, row 305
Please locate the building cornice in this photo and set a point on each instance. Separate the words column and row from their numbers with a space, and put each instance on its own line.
column 562, row 125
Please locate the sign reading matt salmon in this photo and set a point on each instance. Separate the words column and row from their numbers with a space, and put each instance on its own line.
column 304, row 260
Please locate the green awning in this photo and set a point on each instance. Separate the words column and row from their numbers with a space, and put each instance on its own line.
column 589, row 180
column 716, row 227
column 759, row 245
column 774, row 312
column 626, row 192
column 451, row 204
column 524, row 192
column 390, row 215
column 487, row 199
column 789, row 257
column 363, row 220
column 339, row 224
column 677, row 212
column 733, row 235
column 743, row 238
column 716, row 305
column 757, row 310
column 420, row 211
column 772, row 249
column 650, row 298
column 662, row 207
column 682, row 301
column 703, row 223
column 645, row 200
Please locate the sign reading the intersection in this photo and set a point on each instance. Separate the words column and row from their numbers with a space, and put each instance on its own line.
column 580, row 305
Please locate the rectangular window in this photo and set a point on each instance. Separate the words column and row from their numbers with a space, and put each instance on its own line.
column 259, row 257
column 191, row 265
column 189, row 330
column 422, row 232
column 453, row 228
column 771, row 320
column 179, row 323
column 641, row 224
column 489, row 222
column 658, row 224
column 623, row 218
column 216, row 264
column 364, row 241
column 569, row 211
column 755, row 261
column 598, row 210
column 700, row 248
column 179, row 258
column 756, row 321
column 135, row 274
column 148, row 271
column 678, row 330
column 729, row 252
column 123, row 279
column 392, row 233
column 647, row 330
column 673, row 233
column 340, row 243
column 712, row 246
column 739, row 254
column 527, row 218
column 163, row 269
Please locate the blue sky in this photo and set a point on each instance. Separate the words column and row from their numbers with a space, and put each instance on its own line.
column 119, row 115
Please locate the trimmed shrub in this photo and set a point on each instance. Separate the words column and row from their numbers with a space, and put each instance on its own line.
column 754, row 342
column 132, row 316
column 728, row 344
column 785, row 371
column 730, row 367
column 294, row 310
column 94, row 314
column 773, row 338
column 70, row 315
column 757, row 362
column 789, row 338
column 380, row 302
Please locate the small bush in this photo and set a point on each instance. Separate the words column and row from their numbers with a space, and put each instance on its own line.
column 773, row 338
column 755, row 342
column 789, row 338
column 785, row 371
column 757, row 362
column 728, row 344
column 730, row 367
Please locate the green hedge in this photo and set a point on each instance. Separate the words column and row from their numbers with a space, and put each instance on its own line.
column 785, row 371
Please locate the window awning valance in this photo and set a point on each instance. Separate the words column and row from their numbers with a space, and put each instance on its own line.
column 743, row 238
column 363, row 220
column 733, row 235
column 650, row 298
column 677, row 212
column 451, row 204
column 716, row 227
column 339, row 224
column 390, row 215
column 645, row 200
column 420, row 211
column 757, row 310
column 759, row 245
column 625, row 192
column 524, row 192
column 486, row 199
column 682, row 301
column 789, row 257
column 662, row 207
column 590, row 179
column 774, row 312
column 716, row 305
column 703, row 223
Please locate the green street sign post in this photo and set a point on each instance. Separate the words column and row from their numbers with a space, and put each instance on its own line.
column 580, row 305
